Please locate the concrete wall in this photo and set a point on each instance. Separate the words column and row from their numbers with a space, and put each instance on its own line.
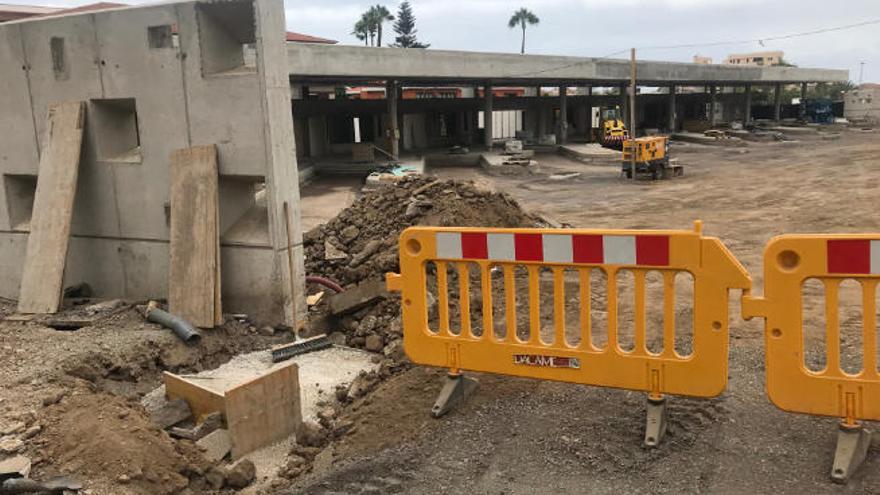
column 862, row 104
column 149, row 92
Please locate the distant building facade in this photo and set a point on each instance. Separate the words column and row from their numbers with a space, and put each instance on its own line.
column 863, row 103
column 702, row 59
column 755, row 58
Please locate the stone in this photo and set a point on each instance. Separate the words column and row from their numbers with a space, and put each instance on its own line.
column 336, row 338
column 215, row 445
column 358, row 297
column 367, row 325
column 215, row 477
column 310, row 435
column 394, row 350
column 10, row 445
column 11, row 427
column 53, row 398
column 15, row 467
column 211, row 422
column 349, row 234
column 170, row 413
column 267, row 331
column 317, row 325
column 360, row 386
column 123, row 479
column 331, row 252
column 241, row 474
column 374, row 343
column 368, row 250
column 32, row 431
column 327, row 414
column 296, row 461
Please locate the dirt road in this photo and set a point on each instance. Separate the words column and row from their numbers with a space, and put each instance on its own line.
column 523, row 436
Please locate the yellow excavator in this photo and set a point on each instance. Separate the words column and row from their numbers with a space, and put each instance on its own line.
column 611, row 132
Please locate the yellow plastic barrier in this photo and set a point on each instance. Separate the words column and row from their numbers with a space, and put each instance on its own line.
column 702, row 373
column 789, row 261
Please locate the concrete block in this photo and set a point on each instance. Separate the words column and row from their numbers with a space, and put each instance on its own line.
column 170, row 413
column 216, row 445
column 358, row 297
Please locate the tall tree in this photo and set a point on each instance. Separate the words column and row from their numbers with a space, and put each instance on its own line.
column 405, row 27
column 523, row 17
column 361, row 31
column 379, row 15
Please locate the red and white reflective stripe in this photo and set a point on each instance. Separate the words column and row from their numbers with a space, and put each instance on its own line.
column 856, row 256
column 555, row 248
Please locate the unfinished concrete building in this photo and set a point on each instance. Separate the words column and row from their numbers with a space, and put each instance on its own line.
column 155, row 79
column 681, row 92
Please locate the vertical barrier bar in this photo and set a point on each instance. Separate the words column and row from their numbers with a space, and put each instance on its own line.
column 464, row 298
column 869, row 328
column 443, row 298
column 559, row 306
column 534, row 306
column 486, row 293
column 832, row 329
column 510, row 302
column 668, row 314
column 641, row 322
column 611, row 299
column 585, row 309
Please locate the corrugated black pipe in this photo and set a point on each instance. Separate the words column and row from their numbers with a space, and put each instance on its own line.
column 326, row 282
column 181, row 327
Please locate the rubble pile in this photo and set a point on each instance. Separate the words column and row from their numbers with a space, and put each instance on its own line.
column 359, row 246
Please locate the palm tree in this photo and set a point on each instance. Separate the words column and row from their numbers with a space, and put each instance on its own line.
column 523, row 17
column 379, row 15
column 361, row 31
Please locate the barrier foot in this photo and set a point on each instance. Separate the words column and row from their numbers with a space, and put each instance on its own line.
column 455, row 390
column 852, row 447
column 655, row 426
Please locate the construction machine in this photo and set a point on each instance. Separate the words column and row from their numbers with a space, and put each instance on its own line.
column 651, row 157
column 611, row 131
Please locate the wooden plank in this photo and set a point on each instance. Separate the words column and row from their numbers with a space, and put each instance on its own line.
column 43, row 272
column 193, row 282
column 201, row 400
column 264, row 410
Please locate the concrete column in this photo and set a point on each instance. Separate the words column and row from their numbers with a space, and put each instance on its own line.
column 802, row 112
column 487, row 114
column 671, row 121
column 562, row 132
column 747, row 111
column 624, row 106
column 713, row 102
column 393, row 133
column 588, row 108
column 777, row 102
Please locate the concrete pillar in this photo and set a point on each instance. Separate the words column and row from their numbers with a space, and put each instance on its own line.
column 713, row 102
column 802, row 112
column 562, row 131
column 747, row 111
column 777, row 102
column 671, row 122
column 624, row 106
column 487, row 114
column 393, row 132
column 588, row 108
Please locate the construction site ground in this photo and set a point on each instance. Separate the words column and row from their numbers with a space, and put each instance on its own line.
column 525, row 436
column 75, row 395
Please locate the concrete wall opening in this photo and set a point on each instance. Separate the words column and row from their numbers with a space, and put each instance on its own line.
column 160, row 37
column 20, row 191
column 244, row 214
column 227, row 36
column 59, row 59
column 115, row 128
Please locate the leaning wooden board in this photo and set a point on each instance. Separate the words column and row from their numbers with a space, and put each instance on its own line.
column 264, row 410
column 43, row 271
column 194, row 276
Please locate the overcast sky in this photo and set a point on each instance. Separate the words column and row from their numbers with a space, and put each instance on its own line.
column 601, row 27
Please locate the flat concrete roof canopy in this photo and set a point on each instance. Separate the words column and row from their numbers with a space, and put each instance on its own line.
column 358, row 63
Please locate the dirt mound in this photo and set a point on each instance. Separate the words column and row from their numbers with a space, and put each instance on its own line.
column 360, row 244
column 102, row 437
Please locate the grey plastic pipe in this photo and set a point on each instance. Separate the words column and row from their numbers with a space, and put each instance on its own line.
column 181, row 327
